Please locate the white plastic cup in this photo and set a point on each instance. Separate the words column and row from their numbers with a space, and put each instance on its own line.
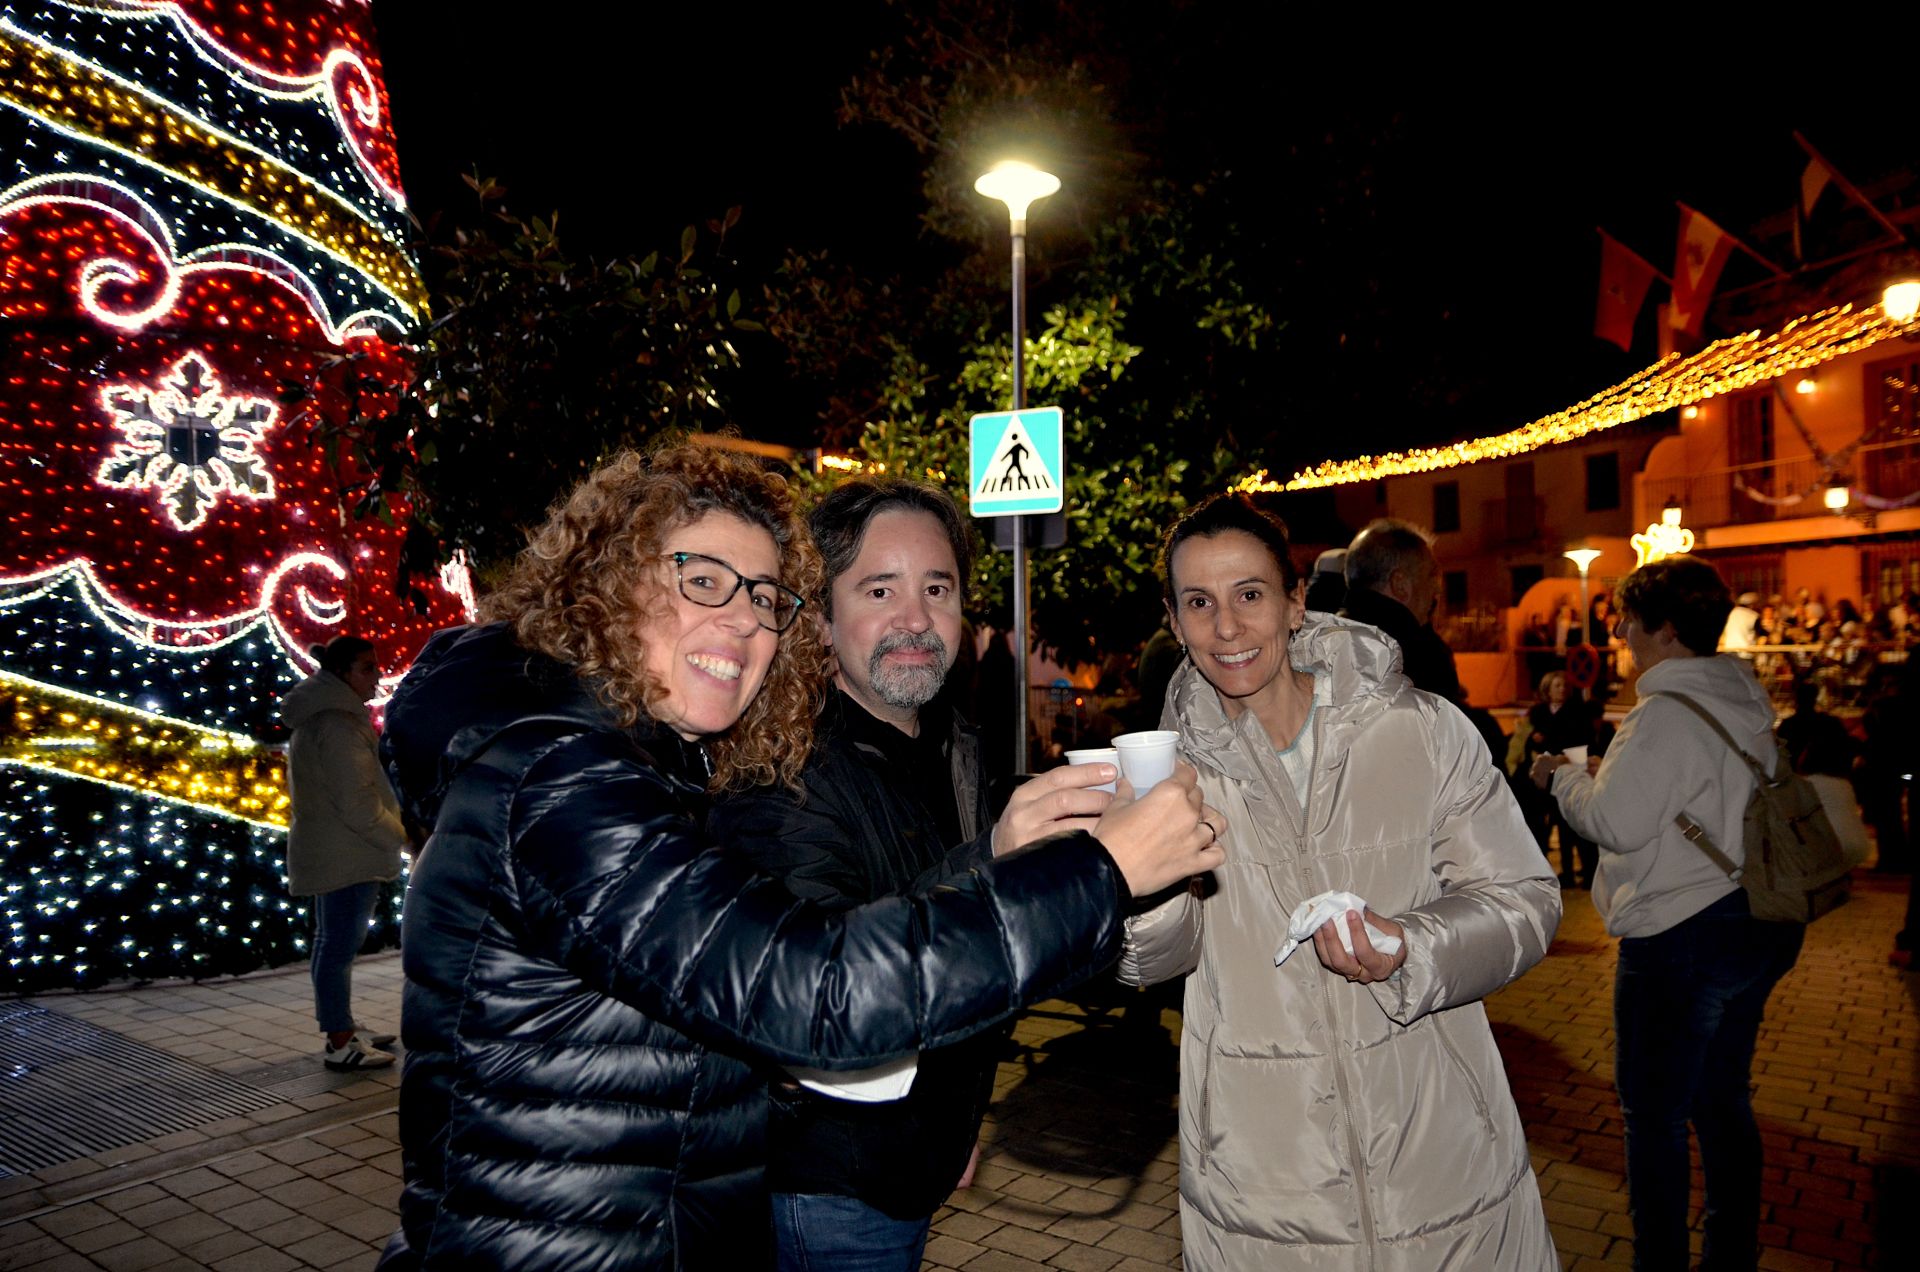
column 1578, row 754
column 1097, row 755
column 1146, row 759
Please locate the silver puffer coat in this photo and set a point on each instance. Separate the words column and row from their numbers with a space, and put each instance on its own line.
column 1329, row 1125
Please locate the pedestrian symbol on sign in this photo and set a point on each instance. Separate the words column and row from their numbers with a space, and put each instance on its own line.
column 1013, row 476
column 1016, row 460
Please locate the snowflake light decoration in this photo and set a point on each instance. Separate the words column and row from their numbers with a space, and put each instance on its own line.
column 188, row 440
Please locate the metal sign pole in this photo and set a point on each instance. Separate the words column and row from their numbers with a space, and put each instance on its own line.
column 1021, row 759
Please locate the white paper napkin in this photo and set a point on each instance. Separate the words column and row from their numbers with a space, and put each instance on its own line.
column 1314, row 911
column 889, row 1081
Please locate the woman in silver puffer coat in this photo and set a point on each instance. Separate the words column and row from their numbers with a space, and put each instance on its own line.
column 1340, row 1110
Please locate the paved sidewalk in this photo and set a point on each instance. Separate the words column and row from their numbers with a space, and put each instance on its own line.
column 1081, row 1167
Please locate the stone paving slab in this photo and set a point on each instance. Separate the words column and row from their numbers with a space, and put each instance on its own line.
column 1080, row 1167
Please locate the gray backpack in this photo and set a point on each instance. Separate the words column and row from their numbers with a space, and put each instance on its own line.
column 1796, row 869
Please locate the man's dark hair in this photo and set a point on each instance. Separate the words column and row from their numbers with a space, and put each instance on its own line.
column 1384, row 546
column 839, row 523
column 1684, row 591
column 1217, row 514
column 339, row 654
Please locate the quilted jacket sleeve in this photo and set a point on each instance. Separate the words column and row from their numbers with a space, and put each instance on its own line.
column 620, row 886
column 1499, row 904
column 806, row 844
column 811, row 845
column 1163, row 942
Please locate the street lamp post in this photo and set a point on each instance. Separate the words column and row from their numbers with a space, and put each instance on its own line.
column 1583, row 557
column 1018, row 185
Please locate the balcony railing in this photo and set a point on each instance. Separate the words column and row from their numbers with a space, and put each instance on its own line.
column 1776, row 490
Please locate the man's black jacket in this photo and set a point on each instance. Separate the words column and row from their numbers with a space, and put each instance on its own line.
column 859, row 834
column 592, row 988
column 1423, row 655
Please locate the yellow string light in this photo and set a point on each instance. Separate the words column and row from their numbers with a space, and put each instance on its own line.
column 1724, row 366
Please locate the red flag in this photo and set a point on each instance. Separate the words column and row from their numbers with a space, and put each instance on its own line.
column 1813, row 182
column 1624, row 279
column 1697, row 261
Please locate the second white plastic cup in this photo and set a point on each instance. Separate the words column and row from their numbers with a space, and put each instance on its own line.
column 1097, row 755
column 1146, row 759
column 1578, row 754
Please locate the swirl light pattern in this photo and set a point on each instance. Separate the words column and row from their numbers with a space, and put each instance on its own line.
column 200, row 213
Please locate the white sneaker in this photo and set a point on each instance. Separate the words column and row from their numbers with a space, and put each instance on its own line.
column 354, row 1053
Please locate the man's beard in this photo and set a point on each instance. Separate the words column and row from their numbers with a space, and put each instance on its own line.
column 909, row 688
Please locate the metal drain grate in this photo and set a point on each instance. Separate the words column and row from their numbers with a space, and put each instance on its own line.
column 68, row 1090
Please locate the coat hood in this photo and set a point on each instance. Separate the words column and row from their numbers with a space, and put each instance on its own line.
column 1722, row 683
column 468, row 685
column 1366, row 674
column 322, row 691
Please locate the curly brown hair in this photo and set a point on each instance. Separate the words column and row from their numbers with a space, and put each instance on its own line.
column 583, row 588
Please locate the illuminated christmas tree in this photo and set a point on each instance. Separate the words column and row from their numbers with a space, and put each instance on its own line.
column 200, row 214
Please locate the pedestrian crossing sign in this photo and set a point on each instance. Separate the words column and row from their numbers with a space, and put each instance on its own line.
column 1017, row 464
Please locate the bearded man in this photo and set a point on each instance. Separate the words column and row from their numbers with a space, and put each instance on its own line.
column 893, row 801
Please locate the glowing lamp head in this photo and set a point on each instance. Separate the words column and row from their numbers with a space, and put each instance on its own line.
column 1582, row 557
column 1689, row 412
column 1837, row 498
column 1901, row 300
column 1670, row 514
column 1806, row 385
column 1017, row 185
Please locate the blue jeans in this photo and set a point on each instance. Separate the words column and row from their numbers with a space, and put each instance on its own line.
column 823, row 1233
column 1687, row 1004
column 339, row 930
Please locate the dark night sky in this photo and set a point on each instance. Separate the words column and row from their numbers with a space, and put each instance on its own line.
column 1499, row 166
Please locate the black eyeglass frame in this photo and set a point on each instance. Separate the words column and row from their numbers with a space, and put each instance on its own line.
column 740, row 580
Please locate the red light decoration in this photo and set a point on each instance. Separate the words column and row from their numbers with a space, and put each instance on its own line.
column 203, row 214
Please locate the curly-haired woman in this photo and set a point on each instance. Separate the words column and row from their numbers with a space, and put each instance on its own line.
column 589, row 985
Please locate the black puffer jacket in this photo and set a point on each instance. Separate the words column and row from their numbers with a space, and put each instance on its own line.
column 588, row 983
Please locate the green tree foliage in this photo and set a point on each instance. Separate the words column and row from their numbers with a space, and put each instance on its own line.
column 1156, row 328
column 534, row 368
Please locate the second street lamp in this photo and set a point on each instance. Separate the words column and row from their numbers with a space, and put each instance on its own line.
column 1018, row 185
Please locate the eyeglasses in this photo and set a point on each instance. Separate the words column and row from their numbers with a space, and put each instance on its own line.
column 711, row 582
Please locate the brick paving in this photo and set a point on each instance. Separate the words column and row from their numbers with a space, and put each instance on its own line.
column 1081, row 1166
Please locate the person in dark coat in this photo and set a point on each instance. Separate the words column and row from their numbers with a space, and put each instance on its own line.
column 1816, row 741
column 593, row 991
column 1393, row 583
column 1560, row 719
column 891, row 798
column 1327, row 588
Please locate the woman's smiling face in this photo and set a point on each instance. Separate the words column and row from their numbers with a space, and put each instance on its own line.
column 711, row 661
column 1234, row 613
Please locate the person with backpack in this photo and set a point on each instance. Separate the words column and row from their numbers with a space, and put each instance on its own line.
column 1695, row 964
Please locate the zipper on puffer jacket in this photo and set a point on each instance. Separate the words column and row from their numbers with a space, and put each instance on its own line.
column 1466, row 1074
column 1206, row 1103
column 1335, row 1044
